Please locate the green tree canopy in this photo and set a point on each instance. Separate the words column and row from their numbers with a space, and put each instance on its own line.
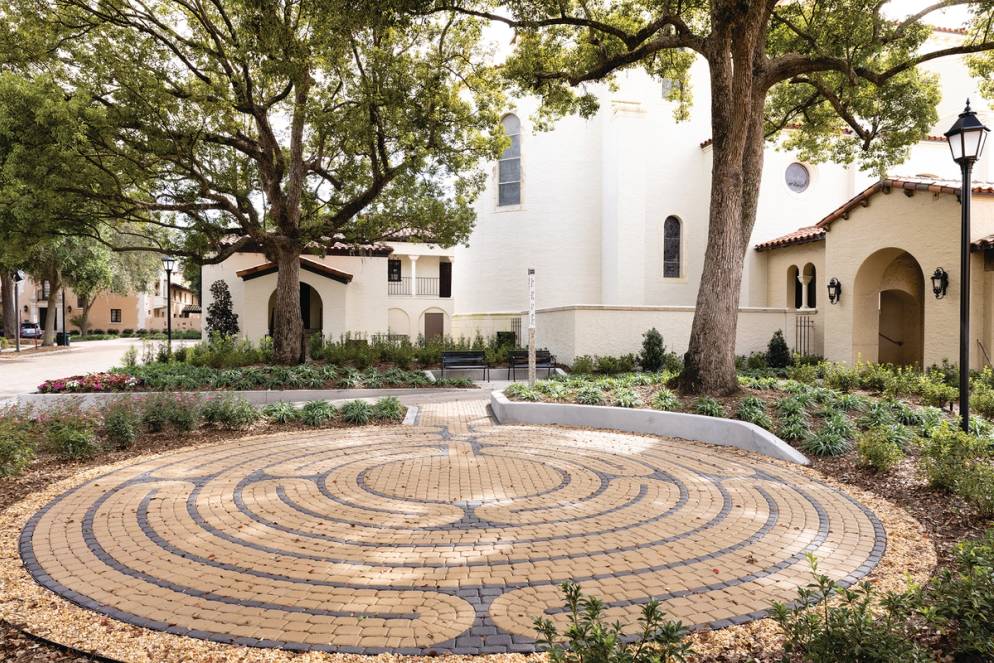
column 278, row 125
column 842, row 75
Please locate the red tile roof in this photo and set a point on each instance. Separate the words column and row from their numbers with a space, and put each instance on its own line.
column 907, row 184
column 799, row 236
column 306, row 264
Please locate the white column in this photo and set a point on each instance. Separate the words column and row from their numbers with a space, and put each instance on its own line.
column 804, row 280
column 414, row 275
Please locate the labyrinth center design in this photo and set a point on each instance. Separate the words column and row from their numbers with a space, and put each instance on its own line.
column 413, row 540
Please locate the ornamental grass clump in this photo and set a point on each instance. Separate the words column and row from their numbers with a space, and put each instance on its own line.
column 709, row 407
column 589, row 395
column 316, row 413
column 389, row 409
column 357, row 412
column 826, row 442
column 280, row 413
column 624, row 397
column 665, row 400
column 753, row 410
column 230, row 413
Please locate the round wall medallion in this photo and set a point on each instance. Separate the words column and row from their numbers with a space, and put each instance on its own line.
column 798, row 178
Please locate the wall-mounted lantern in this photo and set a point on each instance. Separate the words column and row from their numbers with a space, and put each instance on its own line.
column 940, row 282
column 834, row 290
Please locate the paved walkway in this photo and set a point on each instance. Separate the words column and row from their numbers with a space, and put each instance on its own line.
column 22, row 375
column 448, row 536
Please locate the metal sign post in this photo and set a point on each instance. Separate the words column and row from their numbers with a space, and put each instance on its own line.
column 531, row 326
column 18, row 277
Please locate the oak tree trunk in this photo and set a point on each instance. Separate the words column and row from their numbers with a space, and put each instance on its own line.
column 737, row 158
column 288, row 326
column 53, row 311
column 9, row 312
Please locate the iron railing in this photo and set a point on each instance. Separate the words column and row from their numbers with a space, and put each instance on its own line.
column 401, row 287
column 428, row 286
column 804, row 334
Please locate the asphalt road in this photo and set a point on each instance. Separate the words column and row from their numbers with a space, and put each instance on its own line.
column 22, row 375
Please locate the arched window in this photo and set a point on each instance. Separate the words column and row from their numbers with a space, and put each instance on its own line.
column 672, row 236
column 509, row 165
column 812, row 286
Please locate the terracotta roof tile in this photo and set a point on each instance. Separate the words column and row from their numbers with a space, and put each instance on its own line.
column 799, row 236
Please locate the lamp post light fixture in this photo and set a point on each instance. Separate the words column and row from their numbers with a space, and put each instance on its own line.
column 834, row 290
column 940, row 282
column 966, row 143
column 168, row 263
column 18, row 277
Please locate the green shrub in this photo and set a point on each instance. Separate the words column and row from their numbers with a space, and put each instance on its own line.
column 976, row 485
column 230, row 412
column 859, row 627
column 183, row 412
column 281, row 412
column 937, row 394
column 613, row 365
column 709, row 407
column 777, row 353
column 946, row 455
column 17, row 442
column 826, row 442
column 154, row 417
column 626, row 398
column 665, row 400
column 590, row 639
column 962, row 598
column 357, row 412
column 589, row 395
column 841, row 377
column 71, row 435
column 806, row 373
column 653, row 351
column 878, row 451
column 389, row 409
column 316, row 413
column 122, row 423
column 583, row 365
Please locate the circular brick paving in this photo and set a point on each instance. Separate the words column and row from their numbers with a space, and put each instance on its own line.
column 414, row 540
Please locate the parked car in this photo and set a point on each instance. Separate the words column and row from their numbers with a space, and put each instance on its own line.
column 30, row 330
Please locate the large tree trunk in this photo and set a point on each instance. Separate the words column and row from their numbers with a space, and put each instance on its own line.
column 9, row 312
column 288, row 327
column 53, row 311
column 737, row 157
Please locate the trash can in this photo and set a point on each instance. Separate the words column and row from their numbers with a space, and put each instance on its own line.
column 61, row 338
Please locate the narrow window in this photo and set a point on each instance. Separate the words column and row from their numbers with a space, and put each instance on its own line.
column 115, row 315
column 509, row 165
column 393, row 270
column 671, row 247
column 80, row 302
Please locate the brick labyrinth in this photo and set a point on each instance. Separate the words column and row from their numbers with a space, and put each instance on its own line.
column 418, row 539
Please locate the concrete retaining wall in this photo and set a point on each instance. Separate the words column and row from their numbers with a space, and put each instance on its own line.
column 726, row 432
column 44, row 402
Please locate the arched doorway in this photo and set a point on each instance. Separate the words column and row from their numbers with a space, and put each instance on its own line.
column 889, row 309
column 311, row 310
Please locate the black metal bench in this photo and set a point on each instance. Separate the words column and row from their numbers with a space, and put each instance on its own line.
column 519, row 359
column 465, row 360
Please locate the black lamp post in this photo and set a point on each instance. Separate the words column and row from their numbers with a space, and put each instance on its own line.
column 168, row 263
column 18, row 277
column 966, row 142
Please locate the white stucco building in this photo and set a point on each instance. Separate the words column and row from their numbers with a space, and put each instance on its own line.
column 612, row 213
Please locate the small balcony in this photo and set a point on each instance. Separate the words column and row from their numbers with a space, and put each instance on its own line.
column 425, row 286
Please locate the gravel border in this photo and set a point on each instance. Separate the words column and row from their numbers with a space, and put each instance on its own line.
column 27, row 605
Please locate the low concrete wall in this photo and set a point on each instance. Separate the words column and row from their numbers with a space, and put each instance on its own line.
column 725, row 432
column 571, row 331
column 44, row 402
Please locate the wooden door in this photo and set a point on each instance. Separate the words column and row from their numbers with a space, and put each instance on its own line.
column 434, row 325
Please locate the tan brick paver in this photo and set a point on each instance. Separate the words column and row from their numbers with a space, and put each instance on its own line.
column 451, row 535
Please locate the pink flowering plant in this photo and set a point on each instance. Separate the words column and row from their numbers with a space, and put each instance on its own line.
column 91, row 383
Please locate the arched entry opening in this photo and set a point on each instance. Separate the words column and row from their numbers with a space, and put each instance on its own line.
column 809, row 281
column 311, row 310
column 889, row 309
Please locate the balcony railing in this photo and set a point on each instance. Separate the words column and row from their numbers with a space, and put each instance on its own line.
column 401, row 287
column 426, row 286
